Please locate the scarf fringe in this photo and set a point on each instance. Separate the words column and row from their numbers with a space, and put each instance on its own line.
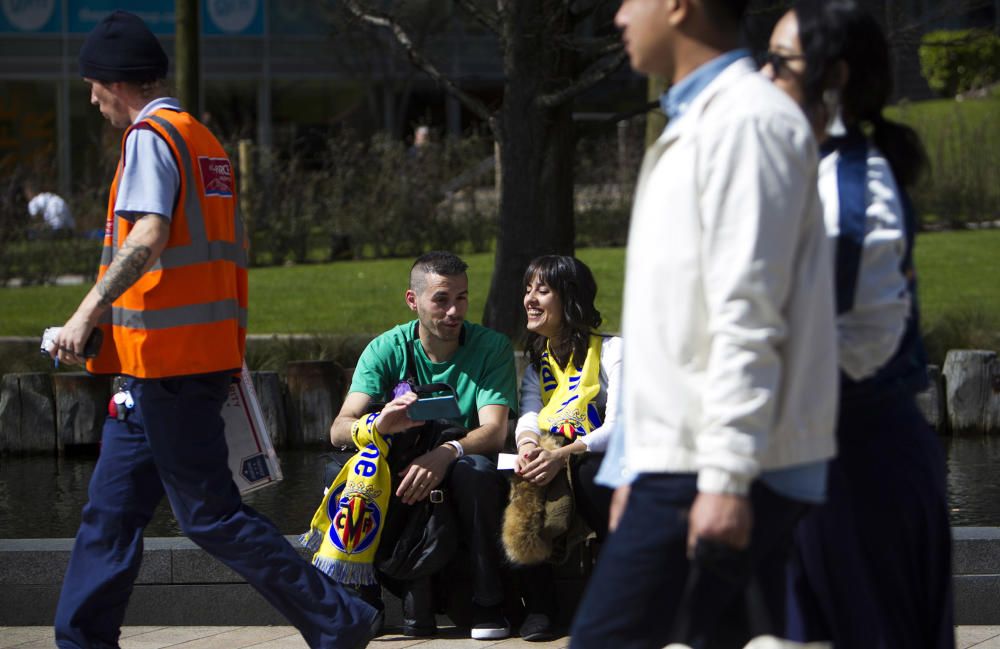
column 311, row 540
column 346, row 572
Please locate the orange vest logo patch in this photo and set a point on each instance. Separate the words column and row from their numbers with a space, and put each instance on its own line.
column 217, row 176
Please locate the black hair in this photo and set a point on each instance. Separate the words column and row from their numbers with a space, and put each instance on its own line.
column 573, row 282
column 730, row 12
column 832, row 31
column 436, row 262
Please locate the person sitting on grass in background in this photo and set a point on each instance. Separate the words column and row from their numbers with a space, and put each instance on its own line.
column 478, row 364
column 569, row 395
column 52, row 210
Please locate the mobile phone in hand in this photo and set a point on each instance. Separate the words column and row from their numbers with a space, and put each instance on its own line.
column 427, row 408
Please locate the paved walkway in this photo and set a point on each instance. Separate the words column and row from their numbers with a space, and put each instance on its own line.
column 285, row 637
column 260, row 637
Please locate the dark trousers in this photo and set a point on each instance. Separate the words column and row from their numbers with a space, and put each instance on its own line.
column 592, row 502
column 872, row 566
column 173, row 443
column 479, row 493
column 637, row 592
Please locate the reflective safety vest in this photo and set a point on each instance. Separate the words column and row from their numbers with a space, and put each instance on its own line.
column 188, row 313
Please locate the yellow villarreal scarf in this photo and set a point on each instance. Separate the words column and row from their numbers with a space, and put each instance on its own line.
column 345, row 530
column 568, row 407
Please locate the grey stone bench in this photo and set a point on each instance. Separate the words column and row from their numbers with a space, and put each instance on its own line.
column 180, row 584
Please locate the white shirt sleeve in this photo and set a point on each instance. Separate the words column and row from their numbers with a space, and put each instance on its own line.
column 870, row 332
column 36, row 205
column 531, row 401
column 611, row 374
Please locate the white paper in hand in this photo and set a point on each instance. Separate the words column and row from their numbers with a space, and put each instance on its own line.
column 505, row 461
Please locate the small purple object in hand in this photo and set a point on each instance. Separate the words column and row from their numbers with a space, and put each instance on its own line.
column 401, row 388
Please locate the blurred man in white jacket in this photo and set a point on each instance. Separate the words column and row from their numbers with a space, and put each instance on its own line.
column 730, row 368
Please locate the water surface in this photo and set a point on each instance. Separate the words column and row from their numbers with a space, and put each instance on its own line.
column 41, row 497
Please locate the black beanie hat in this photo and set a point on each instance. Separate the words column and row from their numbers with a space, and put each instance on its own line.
column 121, row 48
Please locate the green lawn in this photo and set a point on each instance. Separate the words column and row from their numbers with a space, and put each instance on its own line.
column 957, row 273
column 336, row 298
column 962, row 139
column 940, row 120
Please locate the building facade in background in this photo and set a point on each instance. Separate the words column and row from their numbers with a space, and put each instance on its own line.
column 285, row 73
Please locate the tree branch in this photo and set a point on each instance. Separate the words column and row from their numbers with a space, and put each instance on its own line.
column 591, row 77
column 898, row 31
column 580, row 12
column 368, row 15
column 594, row 47
column 488, row 19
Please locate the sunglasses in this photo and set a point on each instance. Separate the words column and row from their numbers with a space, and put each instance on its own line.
column 778, row 62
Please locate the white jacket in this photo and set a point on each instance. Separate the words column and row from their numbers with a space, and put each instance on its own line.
column 728, row 325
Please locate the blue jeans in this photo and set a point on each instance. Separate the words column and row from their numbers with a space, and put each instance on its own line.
column 173, row 443
column 640, row 595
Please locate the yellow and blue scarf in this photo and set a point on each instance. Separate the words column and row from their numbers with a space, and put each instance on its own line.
column 568, row 395
column 345, row 530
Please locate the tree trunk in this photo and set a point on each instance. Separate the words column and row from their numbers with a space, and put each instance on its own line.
column 931, row 401
column 27, row 413
column 536, row 154
column 270, row 394
column 315, row 394
column 656, row 121
column 972, row 392
column 536, row 210
column 81, row 408
column 186, row 64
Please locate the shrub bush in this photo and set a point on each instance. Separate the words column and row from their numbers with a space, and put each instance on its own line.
column 605, row 172
column 962, row 139
column 957, row 61
column 968, row 328
column 371, row 198
column 42, row 261
column 273, row 353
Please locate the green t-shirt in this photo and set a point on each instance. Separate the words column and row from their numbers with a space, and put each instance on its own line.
column 481, row 371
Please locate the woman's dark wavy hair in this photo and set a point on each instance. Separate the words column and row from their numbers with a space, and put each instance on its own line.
column 573, row 282
column 840, row 30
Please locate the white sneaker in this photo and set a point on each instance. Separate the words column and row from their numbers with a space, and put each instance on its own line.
column 489, row 623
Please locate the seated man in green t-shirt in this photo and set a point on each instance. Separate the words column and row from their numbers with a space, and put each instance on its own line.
column 478, row 363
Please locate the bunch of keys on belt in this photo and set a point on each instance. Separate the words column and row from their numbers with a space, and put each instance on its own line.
column 120, row 404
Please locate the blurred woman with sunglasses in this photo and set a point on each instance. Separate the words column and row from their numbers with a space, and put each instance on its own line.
column 872, row 565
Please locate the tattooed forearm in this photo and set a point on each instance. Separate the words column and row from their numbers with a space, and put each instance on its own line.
column 127, row 266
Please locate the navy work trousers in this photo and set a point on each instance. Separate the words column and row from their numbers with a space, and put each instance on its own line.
column 872, row 566
column 639, row 596
column 173, row 442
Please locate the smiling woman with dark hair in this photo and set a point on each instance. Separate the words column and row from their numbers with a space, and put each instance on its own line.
column 872, row 565
column 568, row 405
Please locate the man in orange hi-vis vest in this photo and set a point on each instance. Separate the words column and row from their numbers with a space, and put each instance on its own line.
column 171, row 301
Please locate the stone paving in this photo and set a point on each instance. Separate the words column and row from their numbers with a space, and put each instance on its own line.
column 285, row 637
column 260, row 637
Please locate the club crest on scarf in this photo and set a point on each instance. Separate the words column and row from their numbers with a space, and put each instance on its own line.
column 568, row 408
column 355, row 517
